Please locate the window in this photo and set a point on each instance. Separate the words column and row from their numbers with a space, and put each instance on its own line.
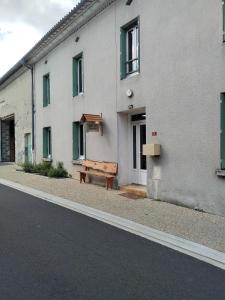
column 223, row 5
column 78, row 81
column 78, row 141
column 46, row 90
column 130, row 49
column 222, row 132
column 47, row 143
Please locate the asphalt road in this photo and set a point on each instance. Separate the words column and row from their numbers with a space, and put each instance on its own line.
column 48, row 252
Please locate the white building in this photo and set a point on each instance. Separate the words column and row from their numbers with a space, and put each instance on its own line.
column 154, row 72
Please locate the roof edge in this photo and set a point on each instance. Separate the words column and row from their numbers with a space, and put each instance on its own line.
column 51, row 36
column 22, row 62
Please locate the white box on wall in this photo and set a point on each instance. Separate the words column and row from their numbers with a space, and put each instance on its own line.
column 151, row 149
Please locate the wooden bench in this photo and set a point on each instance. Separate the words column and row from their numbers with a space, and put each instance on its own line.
column 108, row 170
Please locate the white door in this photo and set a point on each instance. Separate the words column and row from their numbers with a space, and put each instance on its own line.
column 138, row 160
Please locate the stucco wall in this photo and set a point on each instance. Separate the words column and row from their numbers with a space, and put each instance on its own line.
column 98, row 97
column 15, row 99
column 182, row 75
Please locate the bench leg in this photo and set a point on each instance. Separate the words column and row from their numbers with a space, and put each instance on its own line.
column 109, row 183
column 82, row 177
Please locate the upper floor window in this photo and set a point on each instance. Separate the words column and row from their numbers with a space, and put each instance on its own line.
column 130, row 48
column 78, row 80
column 46, row 90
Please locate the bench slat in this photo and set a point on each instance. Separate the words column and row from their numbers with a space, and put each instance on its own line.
column 100, row 174
column 106, row 167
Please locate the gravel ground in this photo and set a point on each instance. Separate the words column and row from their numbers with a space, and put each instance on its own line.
column 203, row 228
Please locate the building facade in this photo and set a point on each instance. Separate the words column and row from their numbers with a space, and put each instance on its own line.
column 154, row 72
column 15, row 117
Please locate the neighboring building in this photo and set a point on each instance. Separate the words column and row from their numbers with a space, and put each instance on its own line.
column 154, row 72
column 16, row 116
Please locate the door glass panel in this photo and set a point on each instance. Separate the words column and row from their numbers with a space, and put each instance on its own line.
column 134, row 148
column 142, row 142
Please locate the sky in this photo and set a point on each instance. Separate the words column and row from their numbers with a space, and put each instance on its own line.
column 23, row 23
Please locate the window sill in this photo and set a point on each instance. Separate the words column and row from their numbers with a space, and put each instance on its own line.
column 46, row 105
column 220, row 173
column 77, row 162
column 47, row 159
column 132, row 75
column 78, row 96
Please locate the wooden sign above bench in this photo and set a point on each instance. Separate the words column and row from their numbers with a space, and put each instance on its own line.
column 93, row 123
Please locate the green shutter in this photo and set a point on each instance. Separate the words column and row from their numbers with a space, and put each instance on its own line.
column 46, row 90
column 75, row 140
column 75, row 77
column 122, row 53
column 45, row 142
column 222, row 131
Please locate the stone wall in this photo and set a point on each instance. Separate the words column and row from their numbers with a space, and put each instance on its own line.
column 15, row 99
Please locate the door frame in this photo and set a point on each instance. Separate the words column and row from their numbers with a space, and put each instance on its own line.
column 130, row 147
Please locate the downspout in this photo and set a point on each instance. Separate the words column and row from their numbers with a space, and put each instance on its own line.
column 31, row 68
column 32, row 100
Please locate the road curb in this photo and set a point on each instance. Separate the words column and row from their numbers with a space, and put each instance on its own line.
column 196, row 250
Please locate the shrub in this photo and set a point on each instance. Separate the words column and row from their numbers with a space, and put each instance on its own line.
column 42, row 168
column 58, row 172
column 28, row 167
column 46, row 169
